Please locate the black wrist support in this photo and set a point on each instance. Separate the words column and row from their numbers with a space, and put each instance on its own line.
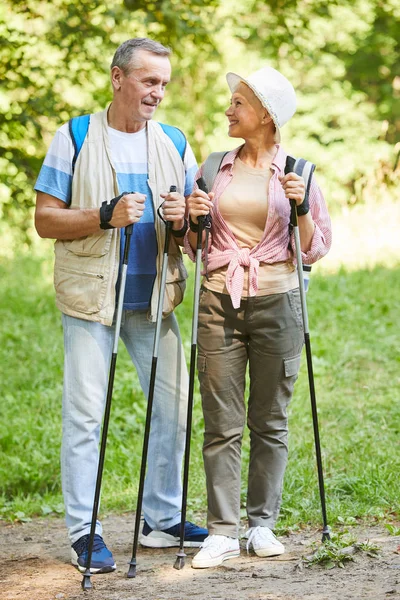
column 107, row 209
column 303, row 208
column 180, row 232
column 195, row 226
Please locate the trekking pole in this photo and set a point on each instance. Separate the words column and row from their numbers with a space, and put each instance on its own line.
column 307, row 342
column 86, row 583
column 132, row 564
column 180, row 556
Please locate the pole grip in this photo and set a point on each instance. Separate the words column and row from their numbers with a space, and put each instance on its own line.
column 168, row 224
column 202, row 184
column 289, row 167
column 203, row 187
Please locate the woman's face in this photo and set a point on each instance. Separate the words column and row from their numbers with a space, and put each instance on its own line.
column 245, row 113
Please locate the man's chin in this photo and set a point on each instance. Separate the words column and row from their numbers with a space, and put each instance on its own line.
column 150, row 108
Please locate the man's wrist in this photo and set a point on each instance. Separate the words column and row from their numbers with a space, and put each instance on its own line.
column 103, row 223
column 180, row 232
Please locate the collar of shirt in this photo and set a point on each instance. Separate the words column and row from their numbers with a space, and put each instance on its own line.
column 278, row 162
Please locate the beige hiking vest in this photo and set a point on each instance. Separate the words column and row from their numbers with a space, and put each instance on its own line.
column 86, row 269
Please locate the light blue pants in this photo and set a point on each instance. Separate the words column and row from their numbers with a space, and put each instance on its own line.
column 88, row 348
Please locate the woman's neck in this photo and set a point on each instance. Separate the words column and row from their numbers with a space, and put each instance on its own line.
column 256, row 155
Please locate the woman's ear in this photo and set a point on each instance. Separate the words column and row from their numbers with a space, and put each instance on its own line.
column 266, row 118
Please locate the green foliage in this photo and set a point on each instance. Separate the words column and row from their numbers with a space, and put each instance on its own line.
column 344, row 61
column 393, row 529
column 341, row 548
column 342, row 56
column 52, row 66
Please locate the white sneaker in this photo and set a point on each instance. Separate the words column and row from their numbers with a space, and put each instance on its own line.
column 264, row 542
column 214, row 550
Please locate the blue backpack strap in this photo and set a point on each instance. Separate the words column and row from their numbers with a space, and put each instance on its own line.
column 78, row 128
column 177, row 137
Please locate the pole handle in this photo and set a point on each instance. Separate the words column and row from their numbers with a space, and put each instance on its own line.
column 203, row 187
column 168, row 224
column 289, row 168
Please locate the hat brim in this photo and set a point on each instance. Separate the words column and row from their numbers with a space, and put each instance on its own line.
column 234, row 79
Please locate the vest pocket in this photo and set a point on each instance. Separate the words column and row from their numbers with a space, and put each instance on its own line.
column 96, row 245
column 83, row 291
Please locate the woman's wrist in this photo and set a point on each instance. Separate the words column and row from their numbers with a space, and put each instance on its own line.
column 193, row 224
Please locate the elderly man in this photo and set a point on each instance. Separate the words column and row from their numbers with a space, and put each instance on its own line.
column 79, row 205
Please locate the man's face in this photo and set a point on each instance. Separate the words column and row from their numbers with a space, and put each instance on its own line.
column 142, row 88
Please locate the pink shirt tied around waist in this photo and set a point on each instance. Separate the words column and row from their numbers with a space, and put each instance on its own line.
column 274, row 245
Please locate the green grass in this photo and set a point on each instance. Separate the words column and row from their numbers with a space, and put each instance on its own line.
column 340, row 549
column 354, row 324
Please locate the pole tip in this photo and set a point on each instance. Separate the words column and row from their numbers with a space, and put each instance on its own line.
column 180, row 560
column 132, row 569
column 86, row 583
column 326, row 534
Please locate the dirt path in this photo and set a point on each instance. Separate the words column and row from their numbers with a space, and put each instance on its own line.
column 35, row 566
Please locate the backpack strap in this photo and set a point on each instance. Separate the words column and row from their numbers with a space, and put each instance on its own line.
column 211, row 167
column 177, row 137
column 78, row 128
column 305, row 169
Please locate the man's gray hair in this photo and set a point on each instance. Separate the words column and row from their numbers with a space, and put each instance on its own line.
column 125, row 55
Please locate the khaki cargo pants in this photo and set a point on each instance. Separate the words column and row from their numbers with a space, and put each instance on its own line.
column 266, row 333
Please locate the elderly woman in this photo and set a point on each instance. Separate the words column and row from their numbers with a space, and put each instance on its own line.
column 250, row 313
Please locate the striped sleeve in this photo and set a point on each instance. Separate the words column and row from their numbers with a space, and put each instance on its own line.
column 322, row 238
column 55, row 176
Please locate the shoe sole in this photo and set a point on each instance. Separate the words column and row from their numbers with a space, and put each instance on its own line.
column 107, row 569
column 264, row 553
column 215, row 562
column 157, row 542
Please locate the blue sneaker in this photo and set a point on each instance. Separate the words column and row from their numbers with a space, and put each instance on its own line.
column 170, row 538
column 102, row 559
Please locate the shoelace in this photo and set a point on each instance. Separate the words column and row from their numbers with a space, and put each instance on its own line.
column 211, row 539
column 82, row 546
column 256, row 532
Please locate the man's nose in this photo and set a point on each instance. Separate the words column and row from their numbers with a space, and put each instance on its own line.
column 158, row 92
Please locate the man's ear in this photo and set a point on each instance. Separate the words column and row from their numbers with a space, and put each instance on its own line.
column 116, row 76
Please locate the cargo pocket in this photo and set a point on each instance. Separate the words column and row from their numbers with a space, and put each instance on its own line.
column 291, row 365
column 217, row 399
column 82, row 272
column 284, row 389
column 94, row 246
column 82, row 291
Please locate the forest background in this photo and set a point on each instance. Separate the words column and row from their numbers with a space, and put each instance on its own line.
column 343, row 59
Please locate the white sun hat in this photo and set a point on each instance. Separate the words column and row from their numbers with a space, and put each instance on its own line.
column 274, row 91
